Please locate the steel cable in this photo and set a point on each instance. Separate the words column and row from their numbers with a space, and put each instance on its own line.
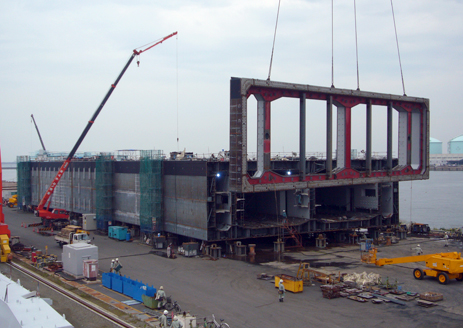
column 274, row 37
column 398, row 51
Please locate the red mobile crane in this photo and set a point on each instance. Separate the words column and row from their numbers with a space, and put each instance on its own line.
column 57, row 214
column 5, row 233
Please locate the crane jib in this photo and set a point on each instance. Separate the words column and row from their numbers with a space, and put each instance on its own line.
column 63, row 168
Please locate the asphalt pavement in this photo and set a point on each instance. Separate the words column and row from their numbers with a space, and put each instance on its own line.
column 229, row 288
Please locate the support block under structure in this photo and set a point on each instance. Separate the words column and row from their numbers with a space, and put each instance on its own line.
column 413, row 137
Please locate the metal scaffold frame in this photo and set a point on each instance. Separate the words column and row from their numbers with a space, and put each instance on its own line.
column 151, row 191
column 24, row 178
column 104, row 191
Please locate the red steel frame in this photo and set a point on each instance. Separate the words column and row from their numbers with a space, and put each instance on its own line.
column 242, row 89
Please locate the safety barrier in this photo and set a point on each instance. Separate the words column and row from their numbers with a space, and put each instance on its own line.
column 127, row 286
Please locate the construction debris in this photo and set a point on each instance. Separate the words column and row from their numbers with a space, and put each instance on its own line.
column 363, row 279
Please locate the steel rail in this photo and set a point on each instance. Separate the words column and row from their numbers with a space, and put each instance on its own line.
column 89, row 305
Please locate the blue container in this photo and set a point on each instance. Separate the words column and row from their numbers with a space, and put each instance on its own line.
column 111, row 230
column 141, row 289
column 127, row 236
column 117, row 283
column 128, row 287
column 120, row 233
column 106, row 279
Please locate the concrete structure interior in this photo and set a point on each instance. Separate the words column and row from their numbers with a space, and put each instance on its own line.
column 233, row 197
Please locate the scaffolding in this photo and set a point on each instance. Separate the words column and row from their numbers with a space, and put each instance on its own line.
column 24, row 178
column 104, row 191
column 151, row 191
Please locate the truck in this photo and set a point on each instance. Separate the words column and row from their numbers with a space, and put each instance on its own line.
column 72, row 235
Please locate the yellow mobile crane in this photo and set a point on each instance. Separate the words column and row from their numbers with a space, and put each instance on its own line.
column 444, row 266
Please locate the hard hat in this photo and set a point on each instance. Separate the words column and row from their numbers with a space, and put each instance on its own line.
column 117, row 259
column 281, row 281
column 161, row 287
column 166, row 312
column 175, row 318
column 112, row 260
column 418, row 245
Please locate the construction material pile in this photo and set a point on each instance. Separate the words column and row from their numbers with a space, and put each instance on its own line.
column 363, row 279
column 331, row 291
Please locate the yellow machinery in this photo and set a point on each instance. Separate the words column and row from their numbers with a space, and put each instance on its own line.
column 444, row 266
column 13, row 201
column 291, row 283
column 4, row 248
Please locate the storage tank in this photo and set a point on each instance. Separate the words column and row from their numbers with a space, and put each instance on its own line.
column 435, row 146
column 455, row 146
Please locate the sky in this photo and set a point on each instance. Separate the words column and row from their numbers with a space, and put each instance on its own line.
column 59, row 59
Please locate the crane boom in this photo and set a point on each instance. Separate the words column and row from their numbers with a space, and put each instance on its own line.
column 38, row 132
column 65, row 164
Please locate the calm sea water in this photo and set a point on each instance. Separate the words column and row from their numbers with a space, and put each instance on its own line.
column 437, row 201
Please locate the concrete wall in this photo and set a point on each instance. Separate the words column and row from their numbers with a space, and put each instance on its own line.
column 185, row 205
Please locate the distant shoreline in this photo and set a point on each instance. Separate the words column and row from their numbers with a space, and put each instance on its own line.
column 446, row 168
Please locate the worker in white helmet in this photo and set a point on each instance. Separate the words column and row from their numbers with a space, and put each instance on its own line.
column 117, row 266
column 163, row 319
column 418, row 250
column 281, row 291
column 161, row 297
column 111, row 268
column 446, row 238
column 176, row 323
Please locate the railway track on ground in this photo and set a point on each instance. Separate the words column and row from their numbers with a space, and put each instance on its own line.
column 86, row 304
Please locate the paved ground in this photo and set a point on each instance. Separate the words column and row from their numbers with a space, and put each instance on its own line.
column 229, row 288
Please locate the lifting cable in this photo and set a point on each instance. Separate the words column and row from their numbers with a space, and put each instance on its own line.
column 177, row 89
column 274, row 37
column 356, row 45
column 398, row 51
column 332, row 45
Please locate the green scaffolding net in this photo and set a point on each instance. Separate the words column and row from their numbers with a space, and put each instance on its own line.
column 24, row 178
column 151, row 191
column 104, row 191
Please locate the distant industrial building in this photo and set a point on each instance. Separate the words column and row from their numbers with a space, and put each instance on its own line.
column 455, row 146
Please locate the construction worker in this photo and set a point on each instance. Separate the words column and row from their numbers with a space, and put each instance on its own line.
column 111, row 268
column 163, row 319
column 161, row 297
column 446, row 238
column 117, row 266
column 176, row 323
column 418, row 250
column 281, row 291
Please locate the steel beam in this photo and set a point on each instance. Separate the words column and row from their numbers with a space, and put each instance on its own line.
column 302, row 136
column 329, row 136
